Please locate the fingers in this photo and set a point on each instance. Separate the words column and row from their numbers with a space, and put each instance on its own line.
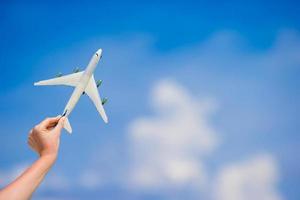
column 59, row 125
column 48, row 122
column 31, row 141
column 31, row 144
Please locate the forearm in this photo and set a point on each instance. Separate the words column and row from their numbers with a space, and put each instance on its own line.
column 23, row 187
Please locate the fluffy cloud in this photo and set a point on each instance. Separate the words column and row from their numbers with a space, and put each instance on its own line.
column 255, row 178
column 168, row 147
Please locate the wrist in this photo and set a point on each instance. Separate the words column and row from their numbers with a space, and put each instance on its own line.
column 48, row 153
column 49, row 158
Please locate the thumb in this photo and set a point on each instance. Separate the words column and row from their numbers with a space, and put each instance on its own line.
column 60, row 125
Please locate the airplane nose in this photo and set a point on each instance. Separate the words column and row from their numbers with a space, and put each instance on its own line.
column 99, row 52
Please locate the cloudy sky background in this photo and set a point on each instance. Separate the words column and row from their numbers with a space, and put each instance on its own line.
column 203, row 98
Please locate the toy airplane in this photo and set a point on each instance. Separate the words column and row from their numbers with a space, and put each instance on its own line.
column 84, row 83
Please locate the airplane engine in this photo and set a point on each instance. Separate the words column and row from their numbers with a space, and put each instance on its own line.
column 59, row 74
column 76, row 70
column 104, row 100
column 99, row 82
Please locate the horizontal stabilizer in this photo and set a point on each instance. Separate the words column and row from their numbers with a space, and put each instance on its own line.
column 67, row 125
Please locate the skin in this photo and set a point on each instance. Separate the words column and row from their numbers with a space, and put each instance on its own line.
column 44, row 140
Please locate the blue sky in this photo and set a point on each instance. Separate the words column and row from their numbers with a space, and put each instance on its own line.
column 199, row 94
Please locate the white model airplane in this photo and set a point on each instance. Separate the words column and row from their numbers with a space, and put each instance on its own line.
column 84, row 83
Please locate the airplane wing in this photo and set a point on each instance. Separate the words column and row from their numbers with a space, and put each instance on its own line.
column 69, row 80
column 92, row 91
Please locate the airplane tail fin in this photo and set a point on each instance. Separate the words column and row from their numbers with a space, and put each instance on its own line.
column 67, row 126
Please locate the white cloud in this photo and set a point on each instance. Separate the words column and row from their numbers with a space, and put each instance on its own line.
column 169, row 150
column 254, row 178
column 168, row 147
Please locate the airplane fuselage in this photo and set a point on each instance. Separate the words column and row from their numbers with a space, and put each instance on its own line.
column 82, row 84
